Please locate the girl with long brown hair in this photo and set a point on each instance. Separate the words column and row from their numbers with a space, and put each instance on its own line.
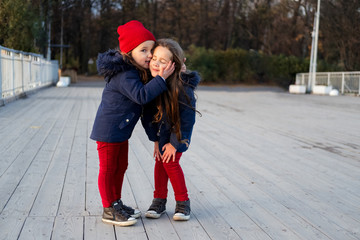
column 169, row 121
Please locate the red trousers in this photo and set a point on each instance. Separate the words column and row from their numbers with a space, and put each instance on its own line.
column 113, row 158
column 171, row 170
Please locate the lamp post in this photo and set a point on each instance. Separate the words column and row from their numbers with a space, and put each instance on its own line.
column 48, row 55
column 314, row 48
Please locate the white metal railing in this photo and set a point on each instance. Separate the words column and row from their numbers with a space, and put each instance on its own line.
column 345, row 82
column 21, row 72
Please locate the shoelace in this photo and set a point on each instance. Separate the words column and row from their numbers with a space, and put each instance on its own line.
column 120, row 210
column 127, row 209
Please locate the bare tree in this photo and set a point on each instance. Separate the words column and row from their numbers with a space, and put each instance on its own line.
column 340, row 30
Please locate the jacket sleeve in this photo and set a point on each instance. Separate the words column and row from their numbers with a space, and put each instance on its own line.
column 130, row 85
column 151, row 128
column 187, row 121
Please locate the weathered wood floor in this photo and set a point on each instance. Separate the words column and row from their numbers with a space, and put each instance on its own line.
column 263, row 164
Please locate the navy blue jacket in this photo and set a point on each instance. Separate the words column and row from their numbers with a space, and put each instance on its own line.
column 122, row 98
column 162, row 131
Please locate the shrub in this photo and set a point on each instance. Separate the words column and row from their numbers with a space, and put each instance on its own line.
column 248, row 67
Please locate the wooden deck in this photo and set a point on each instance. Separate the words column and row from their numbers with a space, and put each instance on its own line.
column 263, row 164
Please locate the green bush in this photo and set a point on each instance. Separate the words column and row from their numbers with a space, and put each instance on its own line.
column 247, row 67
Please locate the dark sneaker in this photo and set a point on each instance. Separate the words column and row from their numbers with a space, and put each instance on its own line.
column 117, row 216
column 157, row 208
column 135, row 213
column 182, row 211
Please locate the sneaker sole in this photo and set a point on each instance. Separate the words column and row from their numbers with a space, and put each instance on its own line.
column 181, row 217
column 136, row 215
column 153, row 214
column 121, row 224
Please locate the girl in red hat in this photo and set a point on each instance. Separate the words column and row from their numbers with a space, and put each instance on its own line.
column 127, row 89
column 169, row 122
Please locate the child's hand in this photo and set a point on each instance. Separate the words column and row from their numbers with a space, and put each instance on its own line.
column 169, row 153
column 183, row 67
column 157, row 154
column 168, row 70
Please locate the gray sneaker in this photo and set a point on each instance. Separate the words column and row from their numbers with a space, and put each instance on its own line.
column 182, row 211
column 135, row 213
column 117, row 216
column 157, row 208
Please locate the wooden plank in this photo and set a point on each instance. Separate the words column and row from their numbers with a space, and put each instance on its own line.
column 96, row 229
column 28, row 186
column 71, row 228
column 16, row 138
column 72, row 201
column 47, row 204
column 14, row 174
column 10, row 226
column 37, row 228
column 93, row 199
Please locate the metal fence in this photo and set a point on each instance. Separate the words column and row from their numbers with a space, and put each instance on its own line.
column 21, row 72
column 345, row 82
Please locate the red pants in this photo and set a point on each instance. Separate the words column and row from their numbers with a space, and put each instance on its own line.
column 113, row 159
column 171, row 170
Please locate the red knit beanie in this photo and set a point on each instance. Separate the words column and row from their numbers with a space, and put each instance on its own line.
column 132, row 34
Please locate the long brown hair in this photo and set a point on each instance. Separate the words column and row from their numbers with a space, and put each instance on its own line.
column 144, row 73
column 168, row 100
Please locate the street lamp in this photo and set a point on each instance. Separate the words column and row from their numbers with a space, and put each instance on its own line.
column 314, row 48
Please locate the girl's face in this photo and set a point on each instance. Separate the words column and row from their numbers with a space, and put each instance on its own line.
column 142, row 53
column 160, row 59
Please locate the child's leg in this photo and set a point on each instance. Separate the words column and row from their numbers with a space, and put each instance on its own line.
column 177, row 179
column 161, row 180
column 113, row 164
column 122, row 164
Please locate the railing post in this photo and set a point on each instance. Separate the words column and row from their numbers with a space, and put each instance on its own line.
column 22, row 73
column 328, row 80
column 0, row 73
column 13, row 73
column 1, row 101
column 30, row 70
column 303, row 79
column 342, row 82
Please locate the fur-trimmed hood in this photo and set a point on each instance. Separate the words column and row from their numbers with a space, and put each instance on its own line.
column 111, row 63
column 191, row 78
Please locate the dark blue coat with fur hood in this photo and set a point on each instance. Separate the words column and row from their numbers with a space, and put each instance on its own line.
column 162, row 131
column 122, row 98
